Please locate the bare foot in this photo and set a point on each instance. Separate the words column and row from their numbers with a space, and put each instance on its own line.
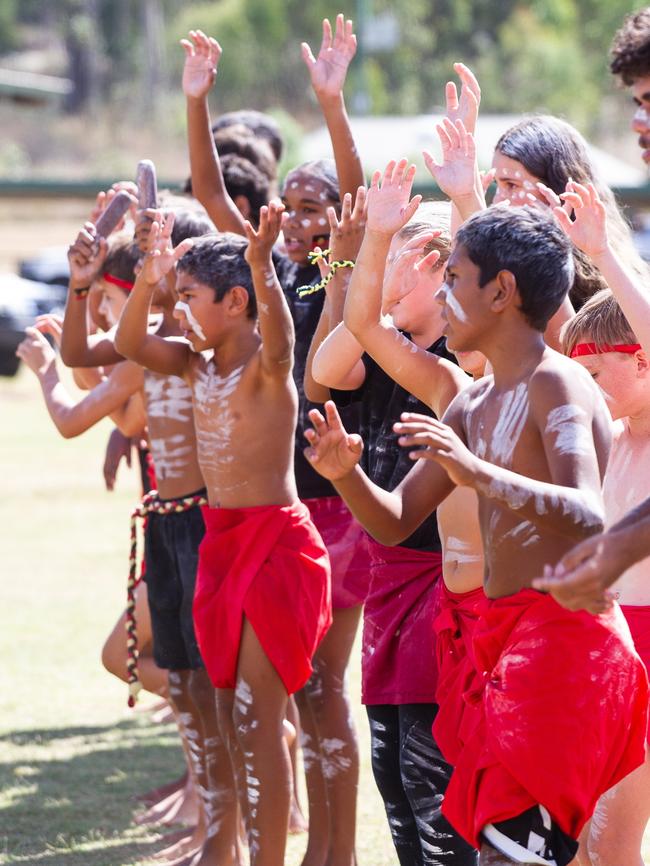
column 187, row 845
column 181, row 807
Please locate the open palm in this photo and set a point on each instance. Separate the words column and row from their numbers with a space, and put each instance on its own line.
column 329, row 69
column 202, row 55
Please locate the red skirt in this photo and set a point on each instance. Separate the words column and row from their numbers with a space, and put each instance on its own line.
column 267, row 564
column 638, row 619
column 454, row 628
column 398, row 662
column 347, row 545
column 562, row 705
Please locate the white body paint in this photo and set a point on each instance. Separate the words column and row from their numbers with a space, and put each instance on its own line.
column 212, row 394
column 456, row 550
column 167, row 397
column 184, row 308
column 508, row 429
column 567, row 422
column 170, row 456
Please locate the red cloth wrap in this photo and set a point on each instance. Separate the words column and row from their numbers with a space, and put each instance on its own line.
column 562, row 714
column 398, row 664
column 269, row 564
column 346, row 543
column 638, row 619
column 454, row 627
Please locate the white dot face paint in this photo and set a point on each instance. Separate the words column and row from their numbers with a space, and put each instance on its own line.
column 322, row 221
column 305, row 223
column 184, row 308
column 294, row 184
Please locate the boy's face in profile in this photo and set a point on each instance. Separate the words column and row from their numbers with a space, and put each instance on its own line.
column 621, row 380
column 306, row 201
column 465, row 305
column 113, row 300
column 200, row 316
column 641, row 118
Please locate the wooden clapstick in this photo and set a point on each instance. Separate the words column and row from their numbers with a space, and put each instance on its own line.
column 113, row 213
column 145, row 178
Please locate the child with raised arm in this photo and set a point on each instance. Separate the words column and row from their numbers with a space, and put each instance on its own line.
column 398, row 659
column 553, row 689
column 308, row 191
column 262, row 601
column 610, row 338
column 173, row 531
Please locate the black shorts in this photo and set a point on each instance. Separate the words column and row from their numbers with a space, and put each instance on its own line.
column 171, row 554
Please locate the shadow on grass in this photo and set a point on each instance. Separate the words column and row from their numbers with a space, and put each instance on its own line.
column 67, row 794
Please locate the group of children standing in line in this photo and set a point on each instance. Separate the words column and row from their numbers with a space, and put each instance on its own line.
column 422, row 420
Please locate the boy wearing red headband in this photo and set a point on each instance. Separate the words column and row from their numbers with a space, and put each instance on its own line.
column 610, row 338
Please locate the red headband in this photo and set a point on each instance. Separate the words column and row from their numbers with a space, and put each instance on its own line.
column 594, row 349
column 123, row 284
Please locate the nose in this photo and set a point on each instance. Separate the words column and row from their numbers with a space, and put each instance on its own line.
column 641, row 120
column 441, row 295
column 178, row 312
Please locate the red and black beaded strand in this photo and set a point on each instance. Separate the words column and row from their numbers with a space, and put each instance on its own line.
column 151, row 504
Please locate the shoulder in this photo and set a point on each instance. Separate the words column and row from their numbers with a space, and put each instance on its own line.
column 558, row 381
column 466, row 401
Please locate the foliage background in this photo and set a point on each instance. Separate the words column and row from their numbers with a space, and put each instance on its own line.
column 124, row 60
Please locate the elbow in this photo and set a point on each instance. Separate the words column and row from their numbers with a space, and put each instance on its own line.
column 69, row 357
column 121, row 344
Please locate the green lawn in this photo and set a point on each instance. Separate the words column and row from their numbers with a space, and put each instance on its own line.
column 71, row 755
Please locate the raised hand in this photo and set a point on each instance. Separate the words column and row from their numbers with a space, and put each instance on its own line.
column 403, row 271
column 588, row 229
column 329, row 69
column 51, row 324
column 103, row 199
column 457, row 175
column 436, row 441
column 333, row 452
column 580, row 580
column 202, row 55
column 162, row 256
column 86, row 256
column 36, row 352
column 261, row 242
column 465, row 109
column 389, row 203
column 346, row 231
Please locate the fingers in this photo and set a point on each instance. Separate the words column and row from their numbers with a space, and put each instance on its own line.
column 429, row 261
column 326, row 41
column 451, row 97
column 487, row 178
column 182, row 248
column 319, row 423
column 333, row 418
column 307, row 55
column 469, row 80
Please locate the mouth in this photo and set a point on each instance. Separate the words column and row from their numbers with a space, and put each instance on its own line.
column 293, row 245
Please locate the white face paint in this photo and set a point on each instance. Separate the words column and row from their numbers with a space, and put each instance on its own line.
column 642, row 116
column 572, row 436
column 512, row 418
column 322, row 221
column 454, row 305
column 184, row 308
column 305, row 223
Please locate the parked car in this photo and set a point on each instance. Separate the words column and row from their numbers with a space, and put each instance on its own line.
column 21, row 301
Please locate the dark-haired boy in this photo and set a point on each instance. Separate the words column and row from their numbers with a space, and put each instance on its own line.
column 262, row 601
column 630, row 61
column 560, row 696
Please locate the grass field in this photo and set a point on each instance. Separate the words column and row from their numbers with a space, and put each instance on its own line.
column 71, row 755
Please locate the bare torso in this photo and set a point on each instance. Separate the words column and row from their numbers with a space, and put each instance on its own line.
column 627, row 483
column 499, row 427
column 168, row 405
column 244, row 430
column 462, row 549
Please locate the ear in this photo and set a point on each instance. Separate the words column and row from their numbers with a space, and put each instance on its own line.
column 642, row 364
column 237, row 301
column 243, row 206
column 504, row 291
